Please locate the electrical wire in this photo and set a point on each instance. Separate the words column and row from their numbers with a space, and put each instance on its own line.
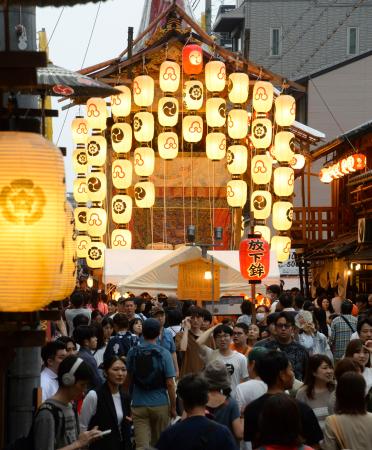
column 55, row 26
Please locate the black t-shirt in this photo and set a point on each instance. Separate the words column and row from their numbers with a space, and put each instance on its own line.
column 310, row 426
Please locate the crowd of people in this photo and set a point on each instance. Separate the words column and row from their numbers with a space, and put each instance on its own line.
column 157, row 373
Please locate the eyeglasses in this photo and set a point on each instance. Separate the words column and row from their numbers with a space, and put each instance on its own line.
column 283, row 325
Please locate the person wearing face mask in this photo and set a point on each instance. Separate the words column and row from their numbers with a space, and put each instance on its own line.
column 261, row 314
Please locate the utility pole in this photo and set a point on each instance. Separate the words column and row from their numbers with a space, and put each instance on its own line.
column 208, row 16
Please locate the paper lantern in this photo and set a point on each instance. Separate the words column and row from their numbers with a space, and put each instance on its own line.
column 254, row 258
column 283, row 181
column 298, row 161
column 282, row 215
column 261, row 204
column 121, row 208
column 192, row 128
column 121, row 137
column 32, row 204
column 360, row 161
column 121, row 103
column 281, row 245
column 96, row 113
column 284, row 146
column 262, row 133
column 143, row 90
column 80, row 161
column 237, row 156
column 238, row 87
column 192, row 59
column 79, row 128
column 144, row 194
column 96, row 150
column 216, row 112
column 193, row 95
column 96, row 255
column 263, row 231
column 261, row 169
column 263, row 95
column 168, row 145
column 144, row 161
column 285, row 110
column 168, row 111
column 80, row 190
column 121, row 239
column 80, row 217
column 325, row 176
column 82, row 244
column 97, row 186
column 97, row 222
column 121, row 171
column 237, row 123
column 236, row 193
column 344, row 168
column 215, row 76
column 169, row 76
column 215, row 144
column 143, row 126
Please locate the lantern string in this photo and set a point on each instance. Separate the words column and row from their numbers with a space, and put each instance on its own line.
column 213, row 199
column 192, row 181
column 152, row 226
column 164, row 204
column 210, row 199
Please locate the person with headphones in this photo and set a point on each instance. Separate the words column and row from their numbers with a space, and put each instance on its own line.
column 56, row 425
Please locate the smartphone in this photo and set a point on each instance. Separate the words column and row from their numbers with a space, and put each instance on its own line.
column 105, row 432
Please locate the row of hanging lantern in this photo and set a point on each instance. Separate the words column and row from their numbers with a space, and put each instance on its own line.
column 345, row 166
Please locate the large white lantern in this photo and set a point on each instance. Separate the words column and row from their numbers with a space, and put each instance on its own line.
column 237, row 157
column 169, row 76
column 285, row 110
column 121, row 171
column 236, row 193
column 97, row 222
column 121, row 137
column 237, row 123
column 261, row 134
column 143, row 90
column 168, row 145
column 96, row 254
column 121, row 239
column 144, row 194
column 121, row 103
column 193, row 94
column 144, row 161
column 282, row 215
column 96, row 150
column 143, row 126
column 215, row 76
column 215, row 144
column 82, row 244
column 192, row 128
column 168, row 111
column 261, row 204
column 281, row 245
column 261, row 169
column 284, row 146
column 263, row 95
column 298, row 161
column 215, row 112
column 79, row 128
column 238, row 87
column 96, row 113
column 325, row 176
column 263, row 231
column 80, row 161
column 80, row 190
column 121, row 208
column 283, row 181
column 97, row 186
column 81, row 216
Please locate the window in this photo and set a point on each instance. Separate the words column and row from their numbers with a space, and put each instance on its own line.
column 352, row 40
column 275, row 42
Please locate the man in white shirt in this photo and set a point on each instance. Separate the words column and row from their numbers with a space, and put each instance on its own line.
column 273, row 292
column 52, row 354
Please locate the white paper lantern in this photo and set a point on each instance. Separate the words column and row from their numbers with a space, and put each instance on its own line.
column 282, row 215
column 169, row 76
column 238, row 87
column 97, row 186
column 261, row 204
column 236, row 193
column 298, row 161
column 79, row 128
column 325, row 176
column 261, row 134
column 168, row 145
column 96, row 150
column 121, row 239
column 215, row 76
column 263, row 95
column 144, row 161
column 215, row 112
column 82, row 244
column 283, row 181
column 261, row 169
column 285, row 110
column 121, row 103
column 193, row 95
column 143, row 126
column 168, row 111
column 144, row 194
column 81, row 217
column 237, row 157
column 143, row 90
column 121, row 171
column 96, row 113
column 96, row 255
column 121, row 208
column 281, row 245
column 237, row 123
column 80, row 190
column 192, row 128
column 97, row 222
column 264, row 231
column 284, row 146
column 80, row 161
column 121, row 137
column 215, row 144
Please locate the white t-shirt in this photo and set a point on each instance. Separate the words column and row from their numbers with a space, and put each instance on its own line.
column 48, row 383
column 367, row 375
column 249, row 391
column 89, row 409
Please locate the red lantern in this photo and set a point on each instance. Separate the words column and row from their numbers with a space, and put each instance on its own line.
column 254, row 257
column 359, row 161
column 192, row 59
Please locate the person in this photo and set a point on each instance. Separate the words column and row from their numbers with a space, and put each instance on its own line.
column 174, row 317
column 52, row 354
column 86, row 337
column 342, row 328
column 112, row 306
column 77, row 301
column 253, row 335
column 318, row 386
column 223, row 408
column 336, row 303
column 270, row 330
column 283, row 341
column 69, row 343
column 96, row 317
column 351, row 425
column 279, row 426
column 127, row 306
column 299, row 301
column 240, row 336
column 60, row 429
column 324, row 304
column 276, row 371
column 207, row 320
column 151, row 375
column 235, row 362
column 195, row 431
column 364, row 330
column 108, row 408
column 357, row 350
column 123, row 341
column 135, row 327
column 273, row 292
column 104, row 333
column 246, row 316
column 285, row 303
column 261, row 313
column 319, row 317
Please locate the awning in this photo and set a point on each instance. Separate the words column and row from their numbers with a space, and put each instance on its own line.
column 344, row 245
column 228, row 20
column 363, row 255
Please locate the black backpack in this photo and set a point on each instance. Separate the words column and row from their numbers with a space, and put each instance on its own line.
column 148, row 371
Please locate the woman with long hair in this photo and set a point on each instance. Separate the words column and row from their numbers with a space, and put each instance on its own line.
column 360, row 354
column 323, row 303
column 318, row 386
column 135, row 327
column 104, row 333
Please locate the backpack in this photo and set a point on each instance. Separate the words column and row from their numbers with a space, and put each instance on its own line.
column 120, row 345
column 148, row 371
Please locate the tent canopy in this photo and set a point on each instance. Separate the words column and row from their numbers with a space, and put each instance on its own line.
column 156, row 271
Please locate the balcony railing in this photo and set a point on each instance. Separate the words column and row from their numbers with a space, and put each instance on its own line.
column 312, row 225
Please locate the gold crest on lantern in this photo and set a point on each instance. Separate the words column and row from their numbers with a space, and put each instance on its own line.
column 96, row 113
column 121, row 239
column 121, row 137
column 96, row 150
column 261, row 133
column 82, row 243
column 96, row 255
column 81, row 218
column 144, row 161
column 193, row 95
column 168, row 145
column 80, row 161
column 237, row 158
column 261, row 204
column 143, row 126
column 262, row 97
column 121, row 171
column 97, row 222
column 168, row 111
column 236, row 193
column 261, row 169
column 80, row 190
column 169, row 76
column 97, row 186
column 144, row 194
column 121, row 103
column 192, row 128
column 79, row 128
column 121, row 208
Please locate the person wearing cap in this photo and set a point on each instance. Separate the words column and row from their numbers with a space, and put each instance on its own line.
column 342, row 328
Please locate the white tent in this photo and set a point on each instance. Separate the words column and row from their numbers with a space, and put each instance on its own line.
column 156, row 271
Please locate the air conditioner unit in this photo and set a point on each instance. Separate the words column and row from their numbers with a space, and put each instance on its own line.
column 364, row 230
